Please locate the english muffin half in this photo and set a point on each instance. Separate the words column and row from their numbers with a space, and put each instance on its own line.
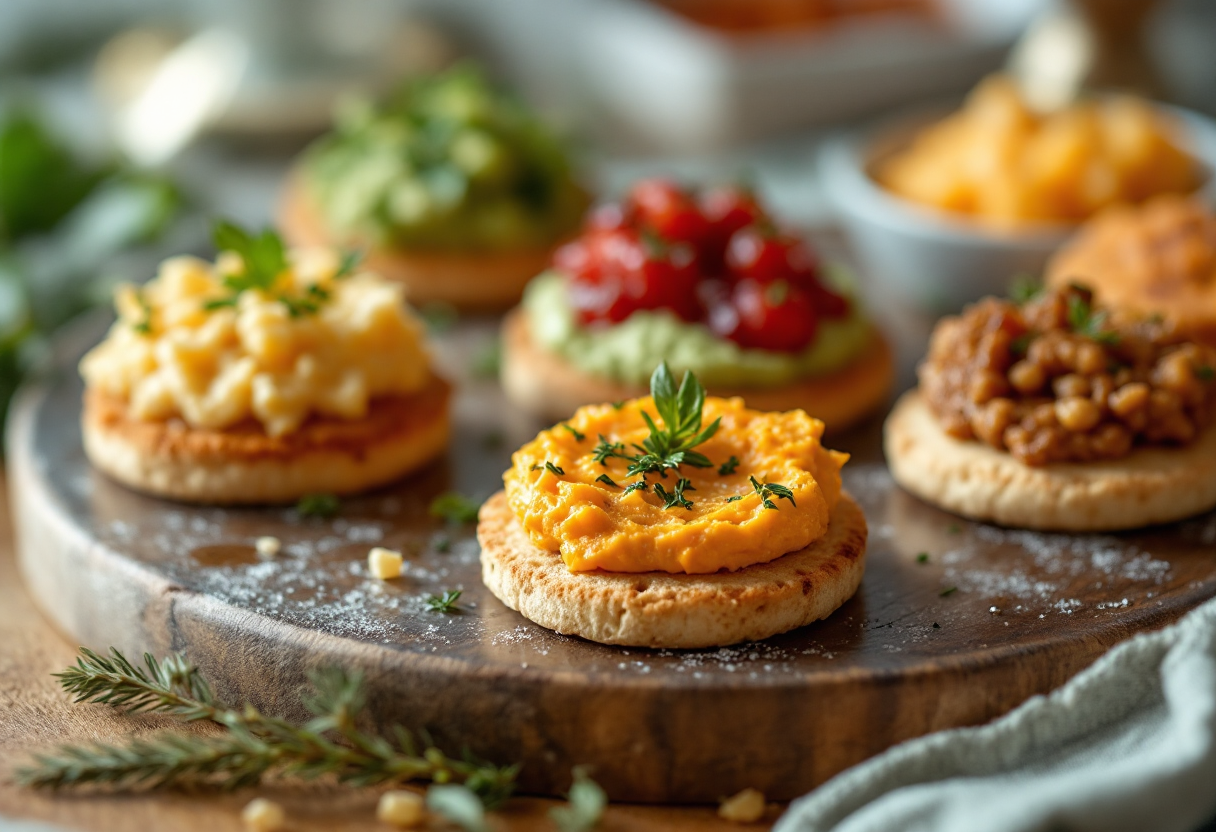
column 660, row 609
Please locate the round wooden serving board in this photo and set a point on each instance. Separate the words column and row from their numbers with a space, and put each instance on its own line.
column 988, row 619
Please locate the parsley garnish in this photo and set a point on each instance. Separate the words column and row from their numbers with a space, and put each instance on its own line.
column 1024, row 289
column 607, row 480
column 578, row 435
column 728, row 467
column 263, row 259
column 318, row 505
column 553, row 469
column 445, row 602
column 767, row 489
column 676, row 497
column 1083, row 320
column 455, row 508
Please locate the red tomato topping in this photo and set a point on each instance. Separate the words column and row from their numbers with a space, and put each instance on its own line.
column 714, row 257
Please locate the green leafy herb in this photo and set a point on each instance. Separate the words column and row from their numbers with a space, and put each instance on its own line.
column 923, row 557
column 771, row 489
column 455, row 508
column 676, row 496
column 640, row 485
column 349, row 262
column 954, row 528
column 1024, row 289
column 144, row 325
column 1021, row 344
column 445, row 602
column 554, row 470
column 734, row 499
column 488, row 360
column 950, row 590
column 318, row 505
column 1083, row 320
column 263, row 259
column 606, row 450
column 578, row 435
column 438, row 316
column 1205, row 373
column 618, row 405
column 585, row 804
column 607, row 480
column 728, row 467
column 459, row 805
column 253, row 746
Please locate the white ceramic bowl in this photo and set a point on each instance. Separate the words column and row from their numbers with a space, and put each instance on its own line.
column 931, row 258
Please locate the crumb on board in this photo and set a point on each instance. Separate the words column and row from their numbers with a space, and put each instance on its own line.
column 745, row 807
column 384, row 563
column 262, row 815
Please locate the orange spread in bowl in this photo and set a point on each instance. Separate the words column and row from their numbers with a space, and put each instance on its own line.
column 573, row 501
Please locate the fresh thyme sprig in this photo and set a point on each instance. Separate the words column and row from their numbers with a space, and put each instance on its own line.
column 446, row 602
column 1083, row 320
column 668, row 447
column 676, row 496
column 578, row 435
column 254, row 746
column 727, row 468
column 766, row 490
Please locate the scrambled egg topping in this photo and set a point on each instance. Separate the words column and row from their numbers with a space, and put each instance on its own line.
column 556, row 490
column 316, row 342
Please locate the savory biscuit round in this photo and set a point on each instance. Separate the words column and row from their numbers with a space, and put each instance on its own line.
column 660, row 609
column 550, row 387
column 471, row 281
column 1150, row 485
column 243, row 465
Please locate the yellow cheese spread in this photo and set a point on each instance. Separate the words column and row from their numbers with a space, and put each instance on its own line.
column 315, row 342
column 571, row 502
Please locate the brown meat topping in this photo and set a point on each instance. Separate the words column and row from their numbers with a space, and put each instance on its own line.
column 1057, row 380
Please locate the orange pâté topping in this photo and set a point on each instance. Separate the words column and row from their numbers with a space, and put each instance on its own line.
column 705, row 484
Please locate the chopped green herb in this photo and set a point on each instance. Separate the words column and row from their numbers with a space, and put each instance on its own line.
column 349, row 262
column 618, row 405
column 318, row 505
column 442, row 544
column 676, row 496
column 535, row 466
column 488, row 360
column 923, row 557
column 950, row 590
column 553, row 469
column 734, row 499
column 1024, row 288
column 1021, row 345
column 578, row 435
column 640, row 485
column 606, row 450
column 144, row 325
column 455, row 508
column 1083, row 320
column 445, row 602
column 954, row 528
column 584, row 807
column 263, row 260
column 1205, row 373
column 607, row 480
column 727, row 468
column 772, row 489
column 438, row 316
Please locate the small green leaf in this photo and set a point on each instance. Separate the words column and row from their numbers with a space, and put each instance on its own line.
column 771, row 489
column 950, row 590
column 640, row 485
column 923, row 557
column 349, row 262
column 607, row 480
column 445, row 603
column 455, row 508
column 734, row 499
column 459, row 805
column 584, row 808
column 554, row 470
column 727, row 468
column 578, row 435
column 1205, row 373
column 318, row 505
column 1024, row 289
column 676, row 497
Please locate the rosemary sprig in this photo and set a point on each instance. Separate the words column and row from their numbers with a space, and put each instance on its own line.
column 767, row 490
column 446, row 602
column 254, row 746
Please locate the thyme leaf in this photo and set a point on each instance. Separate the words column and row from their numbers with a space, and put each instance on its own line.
column 767, row 490
column 727, row 468
column 445, row 603
column 676, row 496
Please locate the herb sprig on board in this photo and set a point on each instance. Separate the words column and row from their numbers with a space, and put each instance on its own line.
column 254, row 745
column 445, row 603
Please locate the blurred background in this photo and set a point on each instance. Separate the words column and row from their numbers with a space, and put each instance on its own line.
column 126, row 124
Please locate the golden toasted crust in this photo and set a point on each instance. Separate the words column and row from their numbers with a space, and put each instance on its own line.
column 476, row 281
column 658, row 609
column 1150, row 485
column 1159, row 257
column 547, row 385
column 243, row 465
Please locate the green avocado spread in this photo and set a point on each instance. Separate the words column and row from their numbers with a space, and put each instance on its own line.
column 447, row 163
column 629, row 351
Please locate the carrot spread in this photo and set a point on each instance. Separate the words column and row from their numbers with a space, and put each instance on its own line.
column 675, row 482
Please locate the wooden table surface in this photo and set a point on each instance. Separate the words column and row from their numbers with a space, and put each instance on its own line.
column 34, row 713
